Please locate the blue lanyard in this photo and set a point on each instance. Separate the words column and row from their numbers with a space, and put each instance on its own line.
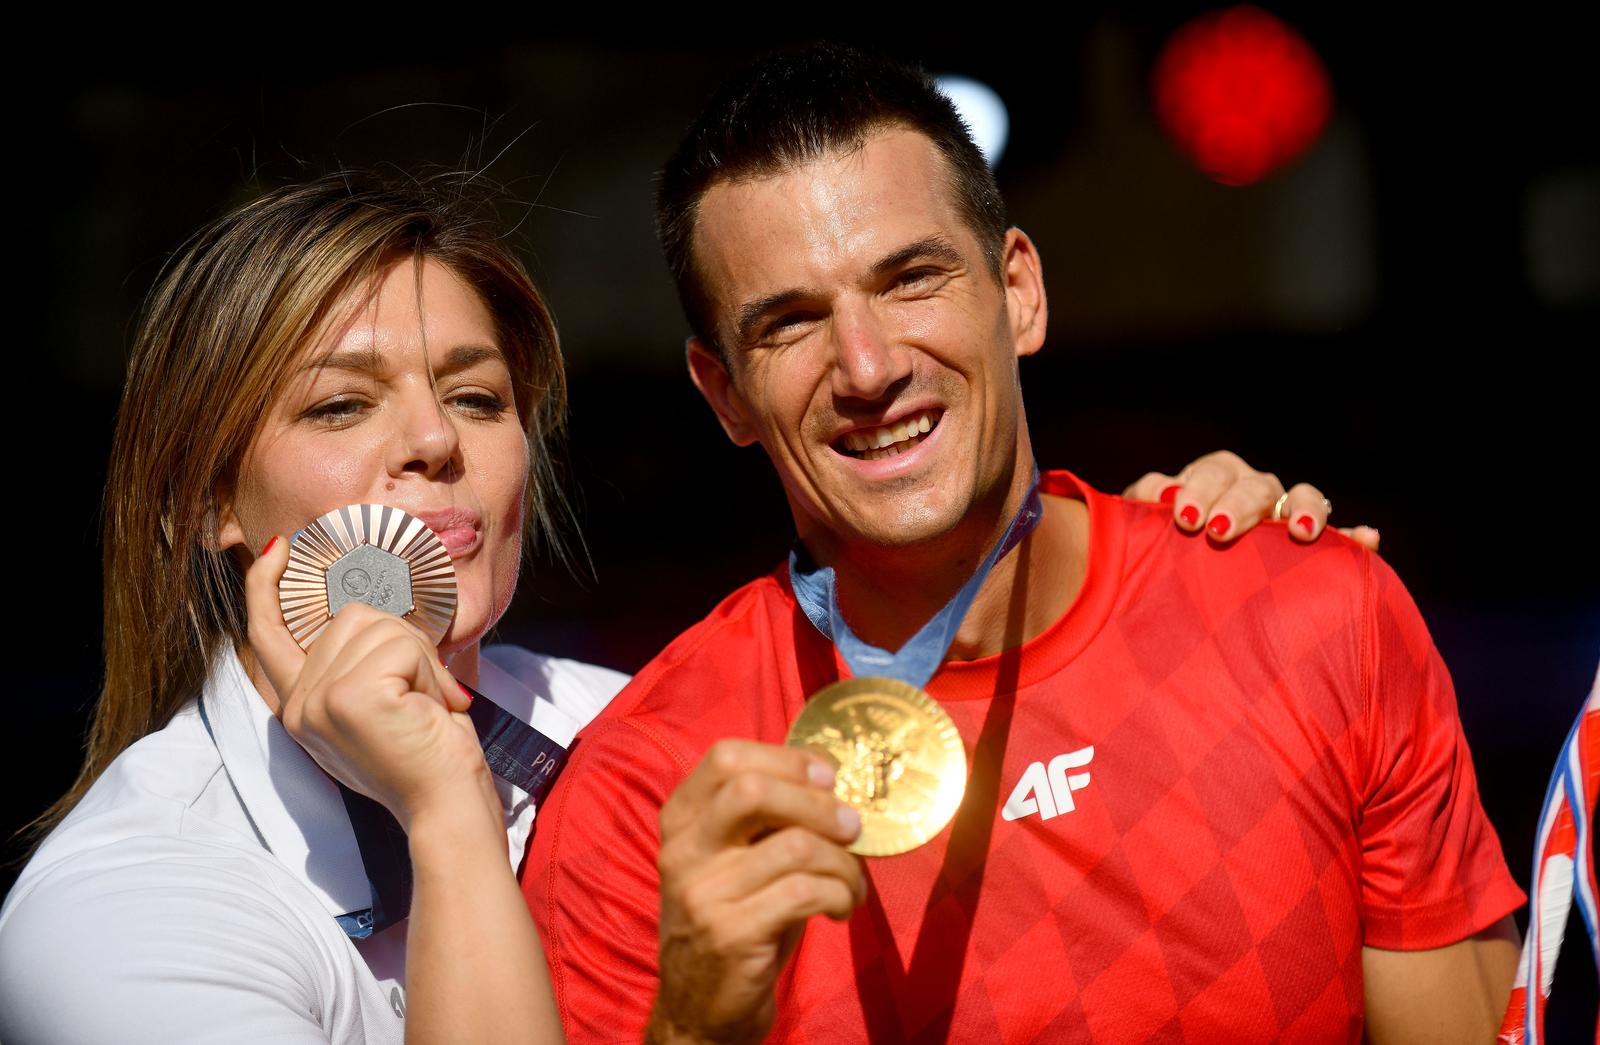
column 516, row 752
column 917, row 660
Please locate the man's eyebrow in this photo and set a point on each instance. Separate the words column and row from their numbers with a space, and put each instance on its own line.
column 933, row 248
column 751, row 314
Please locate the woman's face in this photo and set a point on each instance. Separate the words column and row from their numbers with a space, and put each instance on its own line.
column 405, row 401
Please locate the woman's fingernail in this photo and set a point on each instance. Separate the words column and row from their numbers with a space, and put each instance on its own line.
column 821, row 774
column 1306, row 523
column 1190, row 516
column 465, row 692
column 1220, row 525
column 849, row 821
column 1170, row 494
column 268, row 548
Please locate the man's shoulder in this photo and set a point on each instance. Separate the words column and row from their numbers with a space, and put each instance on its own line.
column 1264, row 570
column 686, row 694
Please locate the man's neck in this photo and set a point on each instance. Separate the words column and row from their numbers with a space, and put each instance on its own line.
column 886, row 595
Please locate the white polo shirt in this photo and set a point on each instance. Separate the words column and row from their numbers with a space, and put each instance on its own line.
column 191, row 896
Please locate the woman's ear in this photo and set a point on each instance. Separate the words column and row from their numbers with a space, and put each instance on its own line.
column 222, row 527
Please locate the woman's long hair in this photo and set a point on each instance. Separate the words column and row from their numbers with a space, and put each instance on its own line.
column 229, row 316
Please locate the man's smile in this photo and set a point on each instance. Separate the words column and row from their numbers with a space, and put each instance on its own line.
column 872, row 443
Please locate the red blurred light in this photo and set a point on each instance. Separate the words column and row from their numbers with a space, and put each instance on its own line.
column 1242, row 93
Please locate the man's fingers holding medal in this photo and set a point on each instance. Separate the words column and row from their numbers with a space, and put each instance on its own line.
column 752, row 845
column 756, row 787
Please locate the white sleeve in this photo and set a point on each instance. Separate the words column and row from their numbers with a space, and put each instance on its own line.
column 162, row 952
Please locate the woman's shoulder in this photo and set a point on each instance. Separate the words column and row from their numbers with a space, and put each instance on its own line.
column 169, row 785
column 581, row 691
column 133, row 938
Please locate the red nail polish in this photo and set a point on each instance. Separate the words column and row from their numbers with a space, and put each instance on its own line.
column 465, row 692
column 1219, row 525
column 1170, row 494
column 1190, row 516
column 268, row 548
column 1306, row 523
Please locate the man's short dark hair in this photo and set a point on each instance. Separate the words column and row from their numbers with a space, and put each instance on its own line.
column 793, row 108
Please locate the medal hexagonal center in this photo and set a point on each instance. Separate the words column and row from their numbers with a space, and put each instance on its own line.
column 371, row 575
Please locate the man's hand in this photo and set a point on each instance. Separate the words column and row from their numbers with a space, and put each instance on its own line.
column 1227, row 497
column 752, row 845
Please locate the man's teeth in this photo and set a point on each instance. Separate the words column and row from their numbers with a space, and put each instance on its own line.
column 880, row 442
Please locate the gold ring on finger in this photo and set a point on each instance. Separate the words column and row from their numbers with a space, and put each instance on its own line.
column 1277, row 506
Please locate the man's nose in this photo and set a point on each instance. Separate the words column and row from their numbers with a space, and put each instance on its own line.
column 868, row 361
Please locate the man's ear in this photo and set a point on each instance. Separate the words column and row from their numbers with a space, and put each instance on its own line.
column 711, row 377
column 1022, row 276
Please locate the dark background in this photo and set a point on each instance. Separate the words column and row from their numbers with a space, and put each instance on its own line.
column 1403, row 317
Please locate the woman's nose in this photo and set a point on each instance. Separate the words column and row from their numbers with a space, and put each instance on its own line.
column 427, row 443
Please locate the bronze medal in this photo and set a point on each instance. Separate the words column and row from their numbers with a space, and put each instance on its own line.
column 900, row 761
column 373, row 554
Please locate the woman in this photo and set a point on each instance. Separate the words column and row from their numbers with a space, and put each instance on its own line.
column 325, row 345
column 322, row 346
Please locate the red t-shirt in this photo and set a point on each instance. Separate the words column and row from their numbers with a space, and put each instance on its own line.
column 1193, row 799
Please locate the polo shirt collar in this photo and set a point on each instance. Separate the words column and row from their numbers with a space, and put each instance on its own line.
column 296, row 808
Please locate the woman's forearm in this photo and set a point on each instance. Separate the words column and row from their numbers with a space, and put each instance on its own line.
column 475, row 970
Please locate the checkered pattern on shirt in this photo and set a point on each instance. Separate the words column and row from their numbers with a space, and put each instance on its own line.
column 1278, row 778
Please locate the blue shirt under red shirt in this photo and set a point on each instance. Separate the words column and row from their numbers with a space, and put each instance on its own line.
column 1193, row 799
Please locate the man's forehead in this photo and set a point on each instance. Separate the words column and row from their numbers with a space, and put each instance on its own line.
column 822, row 217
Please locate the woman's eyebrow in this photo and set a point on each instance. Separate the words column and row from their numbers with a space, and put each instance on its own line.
column 359, row 360
column 463, row 356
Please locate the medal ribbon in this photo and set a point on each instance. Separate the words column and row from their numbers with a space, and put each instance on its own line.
column 516, row 753
column 1563, row 870
column 920, row 657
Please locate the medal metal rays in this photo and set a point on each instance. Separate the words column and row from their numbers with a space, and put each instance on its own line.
column 372, row 554
column 899, row 758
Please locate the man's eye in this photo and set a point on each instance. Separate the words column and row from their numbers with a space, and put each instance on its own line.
column 915, row 279
column 789, row 324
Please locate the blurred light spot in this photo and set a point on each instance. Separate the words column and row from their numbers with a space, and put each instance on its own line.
column 1241, row 93
column 1561, row 237
column 983, row 111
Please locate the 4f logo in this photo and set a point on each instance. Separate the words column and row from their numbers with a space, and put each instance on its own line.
column 1047, row 790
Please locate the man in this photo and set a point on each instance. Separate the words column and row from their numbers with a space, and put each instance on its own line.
column 1270, row 828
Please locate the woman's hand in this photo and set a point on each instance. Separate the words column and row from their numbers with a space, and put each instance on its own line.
column 376, row 708
column 1227, row 497
column 371, row 702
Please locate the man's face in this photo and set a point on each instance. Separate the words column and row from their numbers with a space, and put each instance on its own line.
column 870, row 348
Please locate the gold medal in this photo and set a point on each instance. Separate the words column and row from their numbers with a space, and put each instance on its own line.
column 899, row 758
column 368, row 553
